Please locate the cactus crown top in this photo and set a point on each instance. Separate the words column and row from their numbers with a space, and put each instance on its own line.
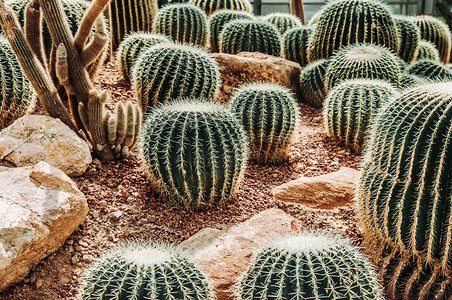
column 307, row 243
column 245, row 22
column 178, row 6
column 196, row 105
column 180, row 47
column 363, row 52
column 265, row 87
column 142, row 256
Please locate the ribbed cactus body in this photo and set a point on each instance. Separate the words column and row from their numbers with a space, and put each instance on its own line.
column 405, row 193
column 139, row 271
column 251, row 36
column 409, row 37
column 269, row 114
column 168, row 71
column 430, row 69
column 184, row 23
column 312, row 81
column 196, row 152
column 346, row 22
column 350, row 107
column 211, row 6
column 362, row 61
column 283, row 21
column 410, row 81
column 310, row 266
column 427, row 51
column 295, row 43
column 218, row 20
column 132, row 46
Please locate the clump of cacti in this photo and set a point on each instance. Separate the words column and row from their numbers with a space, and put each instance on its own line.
column 349, row 108
column 167, row 71
column 405, row 192
column 184, row 23
column 310, row 266
column 211, row 6
column 410, row 81
column 195, row 151
column 312, row 81
column 409, row 37
column 132, row 46
column 295, row 43
column 251, row 36
column 218, row 20
column 436, row 32
column 145, row 271
column 269, row 114
column 427, row 51
column 346, row 22
column 430, row 69
column 362, row 61
column 283, row 21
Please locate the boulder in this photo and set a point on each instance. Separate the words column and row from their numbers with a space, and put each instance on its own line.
column 34, row 138
column 40, row 207
column 325, row 191
column 248, row 67
column 224, row 255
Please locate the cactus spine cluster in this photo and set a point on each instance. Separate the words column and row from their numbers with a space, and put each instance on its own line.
column 346, row 22
column 410, row 81
column 269, row 114
column 430, row 69
column 310, row 266
column 312, row 81
column 350, row 107
column 211, row 6
column 251, row 36
column 184, row 23
column 139, row 271
column 283, row 21
column 196, row 152
column 218, row 20
column 409, row 37
column 295, row 43
column 405, row 193
column 167, row 71
column 427, row 51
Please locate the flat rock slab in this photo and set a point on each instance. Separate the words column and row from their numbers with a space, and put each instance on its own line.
column 223, row 255
column 40, row 206
column 325, row 191
column 31, row 139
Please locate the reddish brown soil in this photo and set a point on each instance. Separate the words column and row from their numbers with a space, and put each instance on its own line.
column 112, row 187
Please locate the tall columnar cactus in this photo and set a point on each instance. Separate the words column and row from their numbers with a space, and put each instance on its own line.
column 427, row 51
column 312, row 80
column 132, row 46
column 16, row 95
column 140, row 271
column 349, row 108
column 362, row 61
column 184, row 23
column 211, row 6
column 295, row 43
column 167, row 71
column 430, row 69
column 310, row 266
column 196, row 152
column 218, row 20
column 409, row 37
column 346, row 22
column 437, row 32
column 252, row 36
column 283, row 21
column 405, row 193
column 269, row 114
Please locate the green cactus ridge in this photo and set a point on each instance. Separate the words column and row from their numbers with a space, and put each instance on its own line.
column 346, row 22
column 168, row 71
column 196, row 152
column 295, row 43
column 410, row 81
column 312, row 81
column 409, row 37
column 283, row 21
column 405, row 192
column 218, row 20
column 427, row 51
column 183, row 23
column 350, row 107
column 211, row 6
column 310, row 266
column 430, row 69
column 250, row 35
column 140, row 271
column 269, row 114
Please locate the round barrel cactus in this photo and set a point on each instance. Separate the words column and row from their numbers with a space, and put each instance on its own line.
column 427, row 51
column 145, row 271
column 196, row 152
column 269, row 114
column 184, row 23
column 410, row 81
column 349, row 108
column 167, row 71
column 405, row 193
column 295, row 43
column 252, row 36
column 283, row 21
column 312, row 81
column 218, row 20
column 211, row 6
column 346, row 22
column 409, row 37
column 430, row 69
column 310, row 266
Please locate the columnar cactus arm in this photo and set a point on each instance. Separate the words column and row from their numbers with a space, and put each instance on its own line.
column 91, row 15
column 96, row 46
column 33, row 30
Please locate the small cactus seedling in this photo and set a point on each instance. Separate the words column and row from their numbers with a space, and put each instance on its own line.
column 427, row 51
column 283, row 21
column 295, row 43
column 430, row 69
column 312, row 80
column 409, row 37
column 211, row 6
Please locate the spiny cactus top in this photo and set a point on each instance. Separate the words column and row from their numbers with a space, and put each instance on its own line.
column 196, row 152
column 269, row 114
column 427, row 51
column 430, row 69
column 140, row 271
column 345, row 22
column 295, row 43
column 184, row 23
column 310, row 266
column 252, row 36
column 312, row 81
column 283, row 21
column 409, row 37
column 405, row 193
column 211, row 6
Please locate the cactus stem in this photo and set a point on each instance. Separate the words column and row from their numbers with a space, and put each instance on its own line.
column 95, row 48
column 33, row 30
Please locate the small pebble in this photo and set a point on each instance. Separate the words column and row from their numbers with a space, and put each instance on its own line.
column 116, row 215
column 88, row 258
column 39, row 283
column 75, row 259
